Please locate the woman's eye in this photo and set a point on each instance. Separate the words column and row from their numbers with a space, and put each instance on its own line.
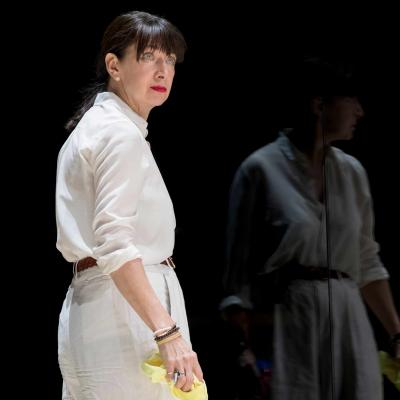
column 147, row 56
column 171, row 60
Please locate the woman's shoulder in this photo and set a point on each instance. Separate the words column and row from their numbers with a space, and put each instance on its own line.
column 100, row 132
column 262, row 157
column 346, row 160
column 268, row 151
column 353, row 169
column 260, row 163
column 100, row 124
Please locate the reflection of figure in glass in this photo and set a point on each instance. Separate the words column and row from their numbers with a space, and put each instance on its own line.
column 312, row 239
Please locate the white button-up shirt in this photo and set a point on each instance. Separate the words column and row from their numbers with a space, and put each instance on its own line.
column 275, row 216
column 111, row 201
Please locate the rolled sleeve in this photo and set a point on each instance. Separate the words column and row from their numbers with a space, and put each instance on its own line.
column 119, row 170
column 372, row 268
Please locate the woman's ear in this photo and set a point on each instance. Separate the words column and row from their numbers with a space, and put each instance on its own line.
column 112, row 65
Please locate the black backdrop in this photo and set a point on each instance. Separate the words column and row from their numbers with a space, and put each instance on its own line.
column 227, row 101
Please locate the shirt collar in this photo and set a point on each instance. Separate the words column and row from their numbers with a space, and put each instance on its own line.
column 286, row 146
column 112, row 98
column 292, row 152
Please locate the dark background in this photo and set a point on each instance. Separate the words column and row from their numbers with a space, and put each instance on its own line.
column 228, row 100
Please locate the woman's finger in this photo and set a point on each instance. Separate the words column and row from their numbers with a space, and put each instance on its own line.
column 180, row 375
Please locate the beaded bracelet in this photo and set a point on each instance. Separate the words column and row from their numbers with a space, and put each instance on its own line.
column 169, row 333
column 169, row 338
column 163, row 330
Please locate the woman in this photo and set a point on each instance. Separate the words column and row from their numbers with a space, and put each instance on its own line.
column 115, row 221
column 301, row 226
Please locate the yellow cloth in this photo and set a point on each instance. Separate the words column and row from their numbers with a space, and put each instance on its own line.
column 390, row 368
column 154, row 368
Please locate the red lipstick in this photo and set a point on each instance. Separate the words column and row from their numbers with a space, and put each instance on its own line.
column 161, row 89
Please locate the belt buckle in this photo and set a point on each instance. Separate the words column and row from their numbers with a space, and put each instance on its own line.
column 170, row 262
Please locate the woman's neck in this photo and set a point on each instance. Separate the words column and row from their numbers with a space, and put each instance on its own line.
column 310, row 142
column 120, row 91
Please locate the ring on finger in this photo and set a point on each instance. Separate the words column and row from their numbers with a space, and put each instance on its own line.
column 178, row 374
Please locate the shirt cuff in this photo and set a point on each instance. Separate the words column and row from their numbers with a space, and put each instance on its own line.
column 376, row 274
column 113, row 261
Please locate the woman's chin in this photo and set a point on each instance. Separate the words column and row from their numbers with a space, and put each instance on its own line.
column 346, row 135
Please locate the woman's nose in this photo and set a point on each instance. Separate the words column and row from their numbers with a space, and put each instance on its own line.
column 359, row 109
column 161, row 68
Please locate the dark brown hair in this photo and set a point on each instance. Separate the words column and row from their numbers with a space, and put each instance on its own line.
column 139, row 28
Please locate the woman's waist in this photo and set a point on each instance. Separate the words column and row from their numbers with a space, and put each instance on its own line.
column 294, row 270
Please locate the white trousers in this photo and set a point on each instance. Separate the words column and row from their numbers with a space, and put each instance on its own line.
column 102, row 341
column 302, row 354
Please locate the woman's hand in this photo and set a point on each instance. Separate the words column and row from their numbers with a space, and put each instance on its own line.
column 178, row 355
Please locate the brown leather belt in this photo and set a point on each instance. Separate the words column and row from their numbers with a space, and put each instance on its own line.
column 291, row 272
column 89, row 262
column 85, row 263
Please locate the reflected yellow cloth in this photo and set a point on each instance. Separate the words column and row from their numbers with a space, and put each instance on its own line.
column 154, row 368
column 390, row 368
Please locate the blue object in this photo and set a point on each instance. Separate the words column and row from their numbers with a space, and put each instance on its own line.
column 264, row 364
